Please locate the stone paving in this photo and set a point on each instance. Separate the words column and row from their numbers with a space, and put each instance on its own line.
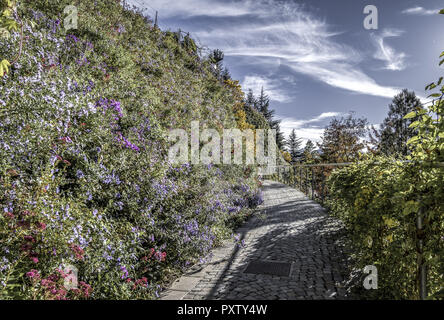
column 288, row 227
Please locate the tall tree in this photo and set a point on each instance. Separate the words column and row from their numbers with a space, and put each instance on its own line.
column 392, row 137
column 342, row 139
column 308, row 152
column 294, row 147
column 226, row 74
column 280, row 138
column 216, row 57
column 251, row 100
column 263, row 105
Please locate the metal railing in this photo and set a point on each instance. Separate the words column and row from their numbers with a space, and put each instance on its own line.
column 311, row 180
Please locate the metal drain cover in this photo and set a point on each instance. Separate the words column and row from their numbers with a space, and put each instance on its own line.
column 268, row 267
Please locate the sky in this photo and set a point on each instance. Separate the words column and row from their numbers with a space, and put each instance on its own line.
column 314, row 58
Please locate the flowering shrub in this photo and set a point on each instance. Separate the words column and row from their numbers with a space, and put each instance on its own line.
column 84, row 118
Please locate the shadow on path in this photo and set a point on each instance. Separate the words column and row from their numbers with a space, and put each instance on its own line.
column 288, row 228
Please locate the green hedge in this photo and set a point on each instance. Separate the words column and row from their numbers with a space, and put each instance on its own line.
column 378, row 200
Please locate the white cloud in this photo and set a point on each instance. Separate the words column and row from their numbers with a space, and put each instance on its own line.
column 271, row 87
column 394, row 61
column 341, row 75
column 279, row 33
column 302, row 42
column 420, row 11
column 189, row 8
column 304, row 128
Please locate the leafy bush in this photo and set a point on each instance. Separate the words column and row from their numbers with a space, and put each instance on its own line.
column 380, row 199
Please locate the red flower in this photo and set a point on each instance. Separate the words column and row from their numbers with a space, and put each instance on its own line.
column 86, row 289
column 24, row 224
column 41, row 225
column 79, row 252
column 9, row 215
column 29, row 238
column 26, row 247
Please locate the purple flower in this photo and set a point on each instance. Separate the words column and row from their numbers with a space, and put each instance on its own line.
column 80, row 174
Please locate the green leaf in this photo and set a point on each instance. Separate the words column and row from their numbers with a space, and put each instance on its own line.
column 4, row 67
column 414, row 139
column 435, row 95
column 410, row 115
column 414, row 124
column 430, row 86
column 442, row 11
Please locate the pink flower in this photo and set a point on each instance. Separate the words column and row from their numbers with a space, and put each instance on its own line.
column 33, row 274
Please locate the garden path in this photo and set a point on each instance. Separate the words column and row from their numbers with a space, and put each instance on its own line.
column 288, row 228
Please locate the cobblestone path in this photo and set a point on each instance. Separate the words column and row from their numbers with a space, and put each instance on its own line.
column 288, row 227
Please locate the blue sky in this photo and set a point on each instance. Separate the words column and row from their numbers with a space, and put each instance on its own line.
column 314, row 58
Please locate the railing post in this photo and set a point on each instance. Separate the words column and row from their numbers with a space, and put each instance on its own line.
column 312, row 183
column 422, row 269
column 300, row 179
column 322, row 185
column 289, row 176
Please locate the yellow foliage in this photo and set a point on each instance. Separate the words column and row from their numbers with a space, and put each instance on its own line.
column 238, row 107
column 287, row 156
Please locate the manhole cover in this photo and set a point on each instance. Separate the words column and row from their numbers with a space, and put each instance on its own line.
column 271, row 268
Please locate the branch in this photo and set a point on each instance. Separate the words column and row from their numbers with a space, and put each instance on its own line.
column 21, row 46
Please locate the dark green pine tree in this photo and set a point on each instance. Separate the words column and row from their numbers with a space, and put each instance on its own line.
column 216, row 57
column 294, row 147
column 263, row 106
column 395, row 132
column 251, row 100
column 226, row 74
